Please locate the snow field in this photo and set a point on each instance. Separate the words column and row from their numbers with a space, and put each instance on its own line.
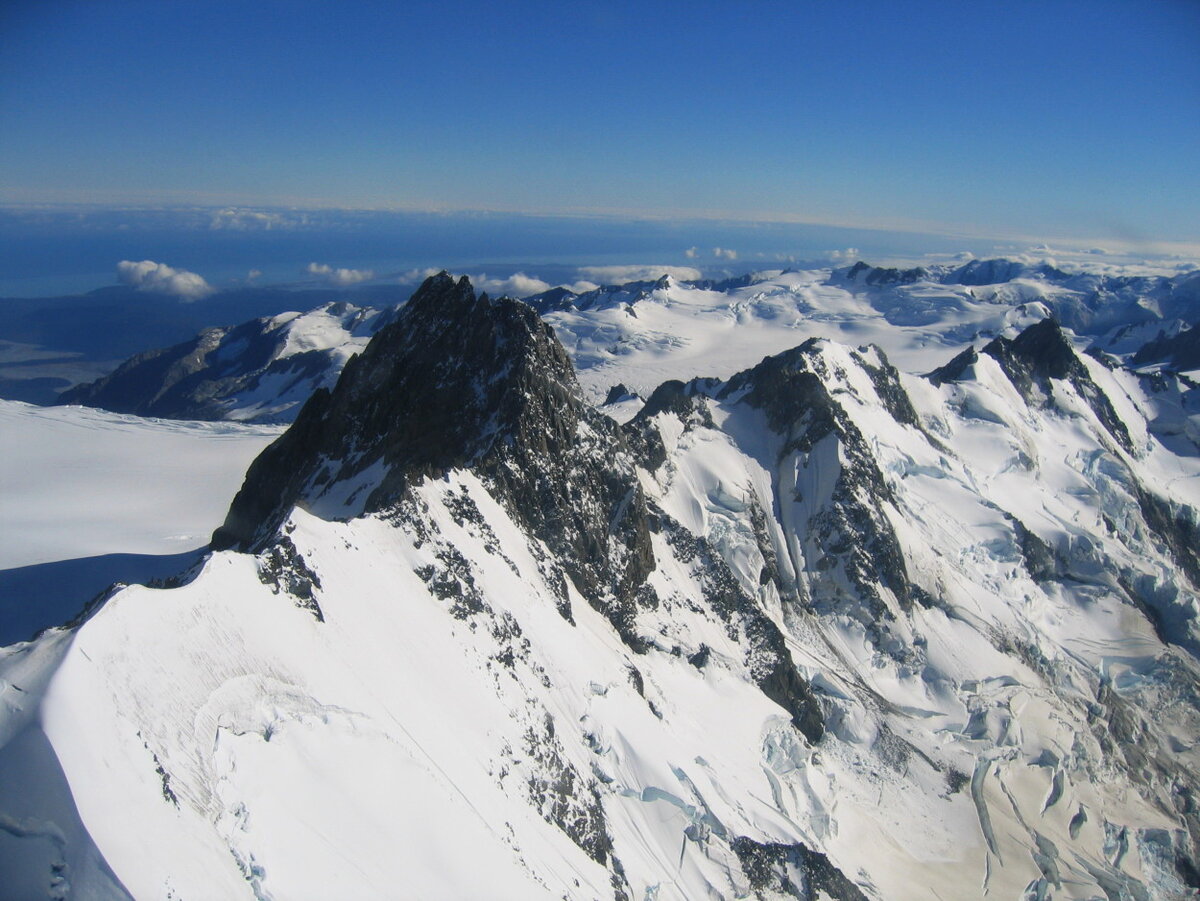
column 79, row 482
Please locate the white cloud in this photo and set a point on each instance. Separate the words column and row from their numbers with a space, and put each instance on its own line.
column 236, row 219
column 521, row 285
column 412, row 276
column 618, row 275
column 692, row 252
column 159, row 278
column 1094, row 259
column 516, row 285
column 253, row 274
column 844, row 256
column 724, row 253
column 763, row 275
column 339, row 277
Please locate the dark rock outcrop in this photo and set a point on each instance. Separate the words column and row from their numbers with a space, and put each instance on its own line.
column 1041, row 353
column 796, row 871
column 849, row 531
column 1179, row 352
column 464, row 382
column 956, row 369
column 866, row 274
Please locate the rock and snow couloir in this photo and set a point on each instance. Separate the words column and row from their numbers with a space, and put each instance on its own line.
column 817, row 629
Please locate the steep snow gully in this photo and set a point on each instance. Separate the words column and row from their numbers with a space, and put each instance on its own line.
column 819, row 629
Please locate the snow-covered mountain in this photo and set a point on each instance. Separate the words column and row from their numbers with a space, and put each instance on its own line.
column 643, row 333
column 260, row 371
column 811, row 627
column 910, row 313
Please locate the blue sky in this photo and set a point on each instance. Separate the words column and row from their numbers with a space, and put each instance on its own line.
column 1051, row 119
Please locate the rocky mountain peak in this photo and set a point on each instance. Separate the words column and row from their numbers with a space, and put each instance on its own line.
column 434, row 390
column 1042, row 348
column 957, row 369
column 460, row 382
column 1043, row 352
column 866, row 274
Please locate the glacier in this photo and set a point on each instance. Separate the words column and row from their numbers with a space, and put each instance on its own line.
column 803, row 623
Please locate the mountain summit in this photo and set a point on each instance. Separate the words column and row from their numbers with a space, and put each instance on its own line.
column 441, row 387
column 814, row 629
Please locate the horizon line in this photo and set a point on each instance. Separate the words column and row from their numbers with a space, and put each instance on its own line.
column 1100, row 246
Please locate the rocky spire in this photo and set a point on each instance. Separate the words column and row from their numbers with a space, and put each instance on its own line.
column 463, row 382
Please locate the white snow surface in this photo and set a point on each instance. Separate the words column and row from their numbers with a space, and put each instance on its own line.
column 79, row 482
column 678, row 331
column 220, row 740
column 335, row 331
column 89, row 498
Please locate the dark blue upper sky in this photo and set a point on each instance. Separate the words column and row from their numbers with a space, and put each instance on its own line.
column 1059, row 118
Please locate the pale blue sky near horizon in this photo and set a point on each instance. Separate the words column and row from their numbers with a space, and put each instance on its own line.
column 1059, row 118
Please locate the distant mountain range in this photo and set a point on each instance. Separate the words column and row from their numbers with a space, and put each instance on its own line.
column 862, row 584
column 48, row 344
column 822, row 584
column 261, row 371
column 642, row 332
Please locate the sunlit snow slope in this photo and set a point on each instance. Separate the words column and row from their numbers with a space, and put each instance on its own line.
column 810, row 628
column 642, row 333
column 260, row 371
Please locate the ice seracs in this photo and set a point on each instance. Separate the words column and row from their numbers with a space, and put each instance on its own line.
column 810, row 626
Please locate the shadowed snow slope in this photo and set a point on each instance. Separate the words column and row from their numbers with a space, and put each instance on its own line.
column 811, row 629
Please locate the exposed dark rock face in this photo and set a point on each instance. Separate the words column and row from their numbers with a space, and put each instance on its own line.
column 561, row 298
column 150, row 382
column 1180, row 352
column 1178, row 528
column 1031, row 361
column 796, row 871
column 675, row 397
column 1041, row 353
column 767, row 655
column 283, row 568
column 886, row 380
column 1041, row 562
column 866, row 274
column 851, row 555
column 956, row 369
column 849, row 532
column 618, row 392
column 459, row 382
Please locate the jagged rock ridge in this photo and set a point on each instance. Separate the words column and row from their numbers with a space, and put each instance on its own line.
column 843, row 633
